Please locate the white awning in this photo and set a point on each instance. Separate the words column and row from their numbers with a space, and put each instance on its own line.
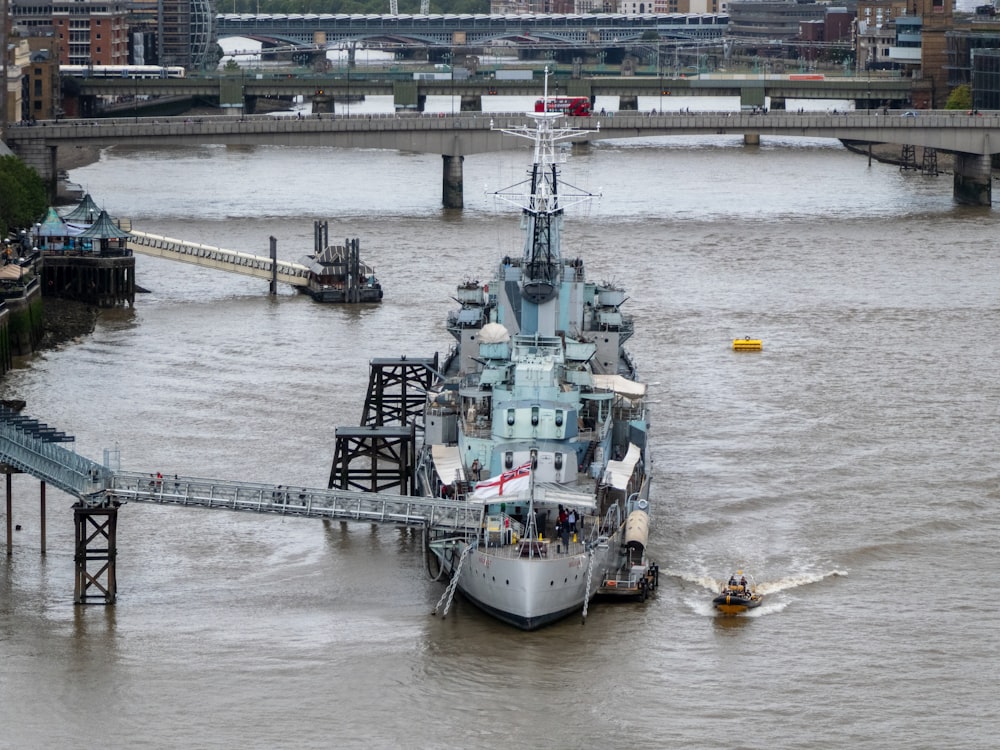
column 620, row 385
column 544, row 493
column 448, row 463
column 618, row 473
column 555, row 494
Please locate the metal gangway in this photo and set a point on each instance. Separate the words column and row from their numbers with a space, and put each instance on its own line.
column 31, row 447
column 259, row 266
column 452, row 516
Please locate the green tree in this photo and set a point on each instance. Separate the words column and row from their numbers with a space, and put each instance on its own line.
column 960, row 97
column 23, row 198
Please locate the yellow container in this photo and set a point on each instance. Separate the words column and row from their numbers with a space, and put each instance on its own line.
column 747, row 345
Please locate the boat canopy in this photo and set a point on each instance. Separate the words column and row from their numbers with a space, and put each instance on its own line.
column 618, row 473
column 448, row 463
column 630, row 389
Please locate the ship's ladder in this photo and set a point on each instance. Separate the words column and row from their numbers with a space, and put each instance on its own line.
column 449, row 592
column 590, row 577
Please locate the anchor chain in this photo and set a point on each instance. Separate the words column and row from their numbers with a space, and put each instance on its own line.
column 590, row 576
column 449, row 592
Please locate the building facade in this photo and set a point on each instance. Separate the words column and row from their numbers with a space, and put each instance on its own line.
column 91, row 33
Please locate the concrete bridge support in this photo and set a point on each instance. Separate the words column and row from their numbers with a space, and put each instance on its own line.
column 452, row 182
column 751, row 139
column 44, row 160
column 973, row 180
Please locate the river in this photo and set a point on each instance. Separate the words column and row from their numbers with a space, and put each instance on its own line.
column 850, row 465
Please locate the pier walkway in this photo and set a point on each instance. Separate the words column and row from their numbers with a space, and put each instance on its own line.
column 208, row 256
column 342, row 505
column 28, row 446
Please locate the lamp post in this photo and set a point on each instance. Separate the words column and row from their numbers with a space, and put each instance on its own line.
column 659, row 74
column 447, row 57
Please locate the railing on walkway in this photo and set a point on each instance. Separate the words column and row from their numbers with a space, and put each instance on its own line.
column 306, row 502
column 208, row 256
column 32, row 447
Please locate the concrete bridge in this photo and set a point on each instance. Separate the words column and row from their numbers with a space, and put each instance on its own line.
column 239, row 92
column 972, row 139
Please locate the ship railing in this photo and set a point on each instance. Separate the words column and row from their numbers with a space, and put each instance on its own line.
column 480, row 427
column 547, row 545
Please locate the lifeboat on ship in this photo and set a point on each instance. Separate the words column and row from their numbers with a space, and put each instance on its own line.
column 738, row 595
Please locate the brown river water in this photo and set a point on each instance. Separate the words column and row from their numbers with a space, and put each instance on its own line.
column 850, row 466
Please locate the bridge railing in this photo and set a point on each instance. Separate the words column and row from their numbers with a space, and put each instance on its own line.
column 217, row 257
column 443, row 515
column 50, row 462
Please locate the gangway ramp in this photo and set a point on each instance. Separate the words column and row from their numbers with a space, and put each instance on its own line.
column 450, row 516
column 218, row 258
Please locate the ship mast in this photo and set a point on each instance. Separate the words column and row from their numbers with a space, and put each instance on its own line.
column 542, row 215
column 542, row 212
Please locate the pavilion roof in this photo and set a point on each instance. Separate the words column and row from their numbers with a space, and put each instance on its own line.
column 53, row 226
column 104, row 229
column 85, row 212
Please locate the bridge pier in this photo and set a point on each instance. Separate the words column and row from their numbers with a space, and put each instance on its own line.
column 94, row 526
column 973, row 180
column 44, row 159
column 452, row 182
column 751, row 139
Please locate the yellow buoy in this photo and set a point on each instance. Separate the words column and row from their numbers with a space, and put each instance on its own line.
column 747, row 345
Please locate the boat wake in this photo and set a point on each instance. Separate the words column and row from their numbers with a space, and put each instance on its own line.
column 698, row 604
column 767, row 587
column 794, row 581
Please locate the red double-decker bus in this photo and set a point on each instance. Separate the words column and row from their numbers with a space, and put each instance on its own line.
column 574, row 106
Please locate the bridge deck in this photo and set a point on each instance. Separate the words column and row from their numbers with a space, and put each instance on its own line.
column 208, row 256
column 473, row 133
column 22, row 448
column 442, row 515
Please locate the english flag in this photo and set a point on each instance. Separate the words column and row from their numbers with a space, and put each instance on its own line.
column 508, row 483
